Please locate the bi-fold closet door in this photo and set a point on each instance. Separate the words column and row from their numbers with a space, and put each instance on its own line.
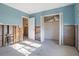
column 4, row 34
column 7, row 32
column 10, row 29
column 14, row 34
column 8, row 35
column 17, row 38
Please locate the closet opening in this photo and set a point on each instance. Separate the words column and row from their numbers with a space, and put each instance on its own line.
column 51, row 28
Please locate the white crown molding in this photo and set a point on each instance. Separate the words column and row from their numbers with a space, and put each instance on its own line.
column 36, row 7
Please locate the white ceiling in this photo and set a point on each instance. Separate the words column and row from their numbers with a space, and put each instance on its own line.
column 36, row 7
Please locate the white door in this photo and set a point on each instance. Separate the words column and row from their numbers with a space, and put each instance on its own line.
column 31, row 28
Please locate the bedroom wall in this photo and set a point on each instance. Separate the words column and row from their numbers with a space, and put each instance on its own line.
column 77, row 26
column 68, row 14
column 9, row 15
column 68, row 20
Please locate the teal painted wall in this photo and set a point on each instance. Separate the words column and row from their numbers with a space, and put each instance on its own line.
column 76, row 14
column 68, row 14
column 9, row 15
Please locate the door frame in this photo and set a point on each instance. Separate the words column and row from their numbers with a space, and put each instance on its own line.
column 22, row 24
column 60, row 25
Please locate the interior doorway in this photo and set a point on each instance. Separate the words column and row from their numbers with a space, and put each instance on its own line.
column 25, row 28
